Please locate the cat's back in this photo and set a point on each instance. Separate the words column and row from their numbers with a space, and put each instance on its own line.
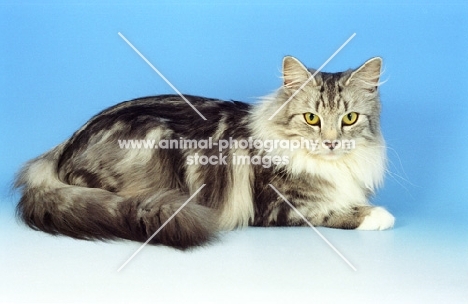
column 104, row 146
column 189, row 110
column 190, row 115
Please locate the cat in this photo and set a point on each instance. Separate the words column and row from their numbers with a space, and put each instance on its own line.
column 90, row 187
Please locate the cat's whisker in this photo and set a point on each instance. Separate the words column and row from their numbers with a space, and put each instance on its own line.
column 393, row 175
column 401, row 166
column 406, row 178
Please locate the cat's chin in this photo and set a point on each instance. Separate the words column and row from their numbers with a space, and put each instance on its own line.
column 331, row 156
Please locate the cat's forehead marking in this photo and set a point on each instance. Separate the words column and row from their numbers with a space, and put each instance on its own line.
column 330, row 90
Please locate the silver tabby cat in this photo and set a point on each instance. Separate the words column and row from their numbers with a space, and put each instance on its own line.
column 89, row 187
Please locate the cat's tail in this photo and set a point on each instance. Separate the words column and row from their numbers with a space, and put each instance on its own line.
column 50, row 205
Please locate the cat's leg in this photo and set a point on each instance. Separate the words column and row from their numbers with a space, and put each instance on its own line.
column 377, row 219
column 358, row 217
column 361, row 218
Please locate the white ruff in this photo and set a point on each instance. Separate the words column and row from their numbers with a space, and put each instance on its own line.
column 353, row 176
column 363, row 167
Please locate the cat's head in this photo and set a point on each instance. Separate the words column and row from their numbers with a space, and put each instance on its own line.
column 338, row 112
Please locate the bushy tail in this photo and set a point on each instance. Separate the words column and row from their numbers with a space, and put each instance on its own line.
column 50, row 205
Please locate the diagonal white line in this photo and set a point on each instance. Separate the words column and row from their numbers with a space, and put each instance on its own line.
column 315, row 229
column 160, row 228
column 161, row 75
column 313, row 75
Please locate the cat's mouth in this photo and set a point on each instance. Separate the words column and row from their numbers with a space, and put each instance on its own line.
column 332, row 154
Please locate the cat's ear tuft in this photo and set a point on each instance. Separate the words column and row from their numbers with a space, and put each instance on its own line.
column 294, row 73
column 367, row 75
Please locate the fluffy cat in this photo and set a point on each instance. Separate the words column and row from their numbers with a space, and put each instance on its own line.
column 89, row 187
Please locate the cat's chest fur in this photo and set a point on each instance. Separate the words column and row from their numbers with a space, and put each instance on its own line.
column 315, row 187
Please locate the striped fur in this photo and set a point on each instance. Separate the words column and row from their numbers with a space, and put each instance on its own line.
column 90, row 188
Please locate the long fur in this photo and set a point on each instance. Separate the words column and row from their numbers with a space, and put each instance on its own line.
column 89, row 187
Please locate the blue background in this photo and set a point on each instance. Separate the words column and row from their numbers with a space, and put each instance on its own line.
column 62, row 63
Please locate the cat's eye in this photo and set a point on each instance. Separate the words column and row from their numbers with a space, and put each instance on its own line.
column 350, row 118
column 312, row 119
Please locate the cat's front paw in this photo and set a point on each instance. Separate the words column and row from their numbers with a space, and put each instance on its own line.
column 378, row 219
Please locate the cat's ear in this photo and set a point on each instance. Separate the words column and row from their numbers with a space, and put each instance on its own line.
column 294, row 73
column 367, row 75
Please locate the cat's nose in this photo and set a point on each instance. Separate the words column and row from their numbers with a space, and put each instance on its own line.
column 331, row 144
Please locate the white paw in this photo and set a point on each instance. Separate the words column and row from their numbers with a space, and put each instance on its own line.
column 378, row 219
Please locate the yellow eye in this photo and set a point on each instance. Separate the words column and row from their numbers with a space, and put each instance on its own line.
column 312, row 119
column 350, row 118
